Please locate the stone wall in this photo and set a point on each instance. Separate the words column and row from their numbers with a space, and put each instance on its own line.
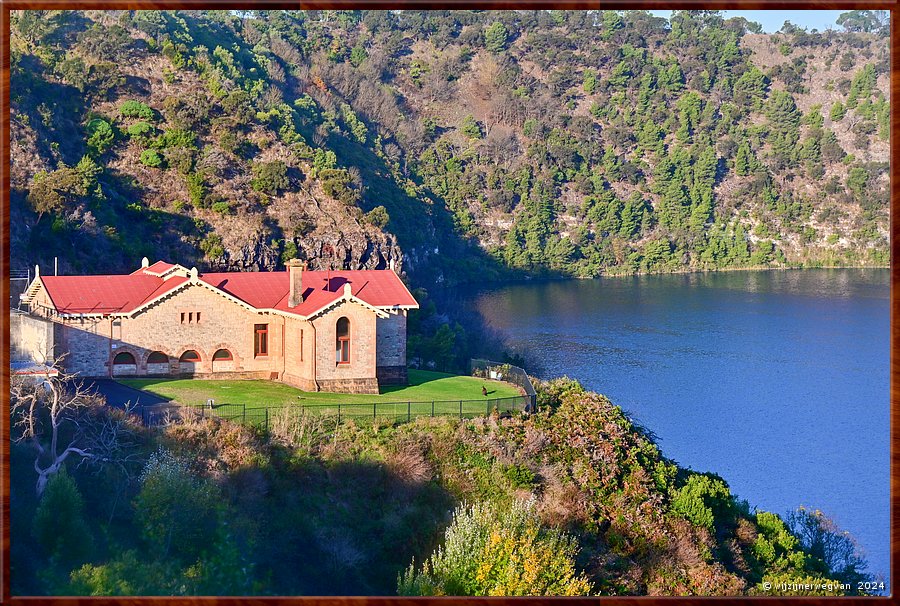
column 88, row 344
column 359, row 375
column 392, row 375
column 299, row 362
column 391, row 346
column 362, row 385
column 31, row 339
column 391, row 339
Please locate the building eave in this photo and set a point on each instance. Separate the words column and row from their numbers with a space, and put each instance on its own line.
column 346, row 299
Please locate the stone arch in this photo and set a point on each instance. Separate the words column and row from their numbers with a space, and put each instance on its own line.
column 186, row 366
column 124, row 358
column 123, row 361
column 157, row 357
column 158, row 362
column 223, row 359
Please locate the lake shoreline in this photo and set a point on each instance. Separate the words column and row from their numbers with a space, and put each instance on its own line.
column 706, row 363
column 440, row 289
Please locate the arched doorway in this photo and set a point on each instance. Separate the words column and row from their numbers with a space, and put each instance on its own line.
column 158, row 363
column 187, row 363
column 222, row 361
column 124, row 364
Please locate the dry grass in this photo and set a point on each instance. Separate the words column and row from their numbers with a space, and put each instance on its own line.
column 217, row 447
column 745, row 532
column 409, row 465
column 297, row 428
column 561, row 503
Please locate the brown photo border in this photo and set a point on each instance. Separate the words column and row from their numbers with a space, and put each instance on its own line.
column 9, row 5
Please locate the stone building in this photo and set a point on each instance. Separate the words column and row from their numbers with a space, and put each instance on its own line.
column 341, row 331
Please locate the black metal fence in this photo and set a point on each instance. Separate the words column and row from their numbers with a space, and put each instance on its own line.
column 505, row 372
column 386, row 412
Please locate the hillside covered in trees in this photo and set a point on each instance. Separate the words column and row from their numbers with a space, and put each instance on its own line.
column 574, row 500
column 461, row 144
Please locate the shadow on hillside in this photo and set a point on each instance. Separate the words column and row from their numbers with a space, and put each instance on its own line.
column 55, row 111
column 116, row 229
column 350, row 527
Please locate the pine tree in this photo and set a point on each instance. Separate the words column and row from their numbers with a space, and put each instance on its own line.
column 743, row 161
column 838, row 111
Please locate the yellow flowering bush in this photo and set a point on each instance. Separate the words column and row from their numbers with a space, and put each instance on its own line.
column 499, row 550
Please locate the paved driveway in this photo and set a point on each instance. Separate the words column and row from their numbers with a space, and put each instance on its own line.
column 118, row 395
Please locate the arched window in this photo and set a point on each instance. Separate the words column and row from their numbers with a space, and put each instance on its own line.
column 123, row 357
column 342, row 344
column 222, row 355
column 189, row 356
column 157, row 357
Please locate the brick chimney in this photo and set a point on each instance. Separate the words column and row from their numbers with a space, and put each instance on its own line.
column 295, row 269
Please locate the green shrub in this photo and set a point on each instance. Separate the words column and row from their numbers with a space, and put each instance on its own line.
column 196, row 190
column 838, row 111
column 520, row 476
column 775, row 547
column 151, row 158
column 173, row 54
column 496, row 37
column 124, row 575
column 336, row 183
column 269, row 177
column 700, row 499
column 141, row 130
column 223, row 207
column 176, row 137
column 212, row 246
column 180, row 158
column 136, row 109
column 378, row 217
column 100, row 135
column 471, row 128
column 59, row 526
column 177, row 511
column 290, row 251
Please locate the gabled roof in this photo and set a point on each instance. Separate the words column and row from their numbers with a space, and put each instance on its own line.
column 263, row 291
column 104, row 294
column 269, row 290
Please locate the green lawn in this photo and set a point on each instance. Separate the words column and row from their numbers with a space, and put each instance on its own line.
column 424, row 386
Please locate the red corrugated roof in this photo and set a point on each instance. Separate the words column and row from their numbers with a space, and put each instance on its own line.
column 269, row 290
column 157, row 268
column 104, row 294
column 262, row 290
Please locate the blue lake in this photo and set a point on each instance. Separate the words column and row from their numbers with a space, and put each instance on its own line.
column 776, row 380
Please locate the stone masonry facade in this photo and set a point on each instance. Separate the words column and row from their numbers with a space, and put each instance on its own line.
column 195, row 318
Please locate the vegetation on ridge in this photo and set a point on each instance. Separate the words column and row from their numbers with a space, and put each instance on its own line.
column 478, row 143
column 437, row 506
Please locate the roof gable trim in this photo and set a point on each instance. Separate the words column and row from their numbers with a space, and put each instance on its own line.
column 192, row 281
column 346, row 298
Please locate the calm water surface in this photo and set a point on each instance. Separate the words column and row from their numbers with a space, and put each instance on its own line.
column 778, row 381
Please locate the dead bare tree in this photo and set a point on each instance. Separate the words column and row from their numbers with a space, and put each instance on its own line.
column 60, row 417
